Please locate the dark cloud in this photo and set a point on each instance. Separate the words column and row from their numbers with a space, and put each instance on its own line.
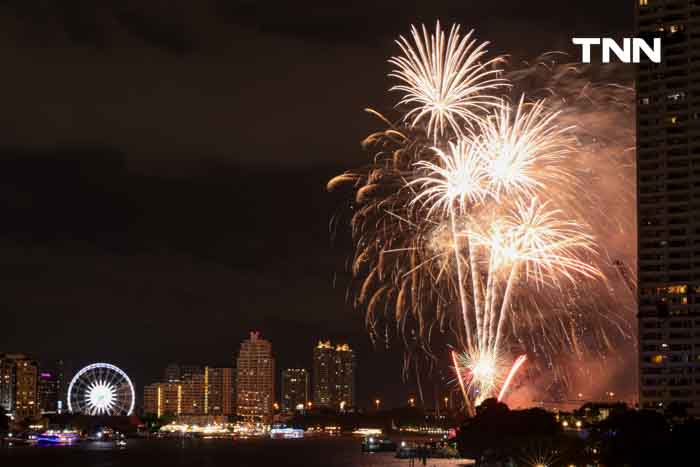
column 241, row 80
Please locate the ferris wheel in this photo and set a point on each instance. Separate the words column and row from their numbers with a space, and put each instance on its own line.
column 101, row 389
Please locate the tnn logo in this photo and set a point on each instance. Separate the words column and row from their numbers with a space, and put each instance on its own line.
column 630, row 52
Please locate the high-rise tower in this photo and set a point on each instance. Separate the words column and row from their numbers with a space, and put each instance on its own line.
column 295, row 388
column 255, row 380
column 668, row 188
column 334, row 375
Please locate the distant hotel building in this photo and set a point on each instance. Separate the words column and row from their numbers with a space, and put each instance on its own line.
column 48, row 393
column 255, row 379
column 324, row 373
column 172, row 373
column 163, row 399
column 344, row 376
column 334, row 375
column 196, row 391
column 295, row 388
column 19, row 377
column 177, row 372
column 668, row 184
column 220, row 391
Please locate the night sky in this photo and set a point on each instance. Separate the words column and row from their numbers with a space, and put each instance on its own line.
column 163, row 169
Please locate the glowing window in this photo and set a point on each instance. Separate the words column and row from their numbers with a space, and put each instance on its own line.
column 677, row 289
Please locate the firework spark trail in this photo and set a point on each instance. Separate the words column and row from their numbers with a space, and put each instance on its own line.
column 513, row 371
column 455, row 190
column 460, row 280
column 460, row 379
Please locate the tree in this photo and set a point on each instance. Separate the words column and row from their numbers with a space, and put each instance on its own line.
column 499, row 433
column 153, row 423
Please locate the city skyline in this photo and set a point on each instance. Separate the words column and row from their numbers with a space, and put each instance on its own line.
column 188, row 389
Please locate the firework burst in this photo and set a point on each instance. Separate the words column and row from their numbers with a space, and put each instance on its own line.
column 458, row 177
column 525, row 149
column 487, row 205
column 445, row 83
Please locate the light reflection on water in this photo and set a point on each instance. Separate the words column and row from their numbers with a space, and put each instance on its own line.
column 310, row 452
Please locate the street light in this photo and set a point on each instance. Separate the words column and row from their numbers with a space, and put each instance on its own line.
column 377, row 402
column 411, row 402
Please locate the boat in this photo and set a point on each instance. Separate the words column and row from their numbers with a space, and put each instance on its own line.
column 378, row 444
column 284, row 432
column 58, row 437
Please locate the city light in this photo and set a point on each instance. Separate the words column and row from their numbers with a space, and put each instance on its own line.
column 101, row 389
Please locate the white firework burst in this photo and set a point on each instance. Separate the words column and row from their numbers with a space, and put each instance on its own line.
column 445, row 82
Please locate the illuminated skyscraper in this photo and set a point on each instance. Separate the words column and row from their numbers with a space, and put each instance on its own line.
column 48, row 389
column 255, row 379
column 668, row 184
column 344, row 376
column 7, row 384
column 334, row 375
column 194, row 395
column 18, row 385
column 324, row 374
column 295, row 388
column 220, row 391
